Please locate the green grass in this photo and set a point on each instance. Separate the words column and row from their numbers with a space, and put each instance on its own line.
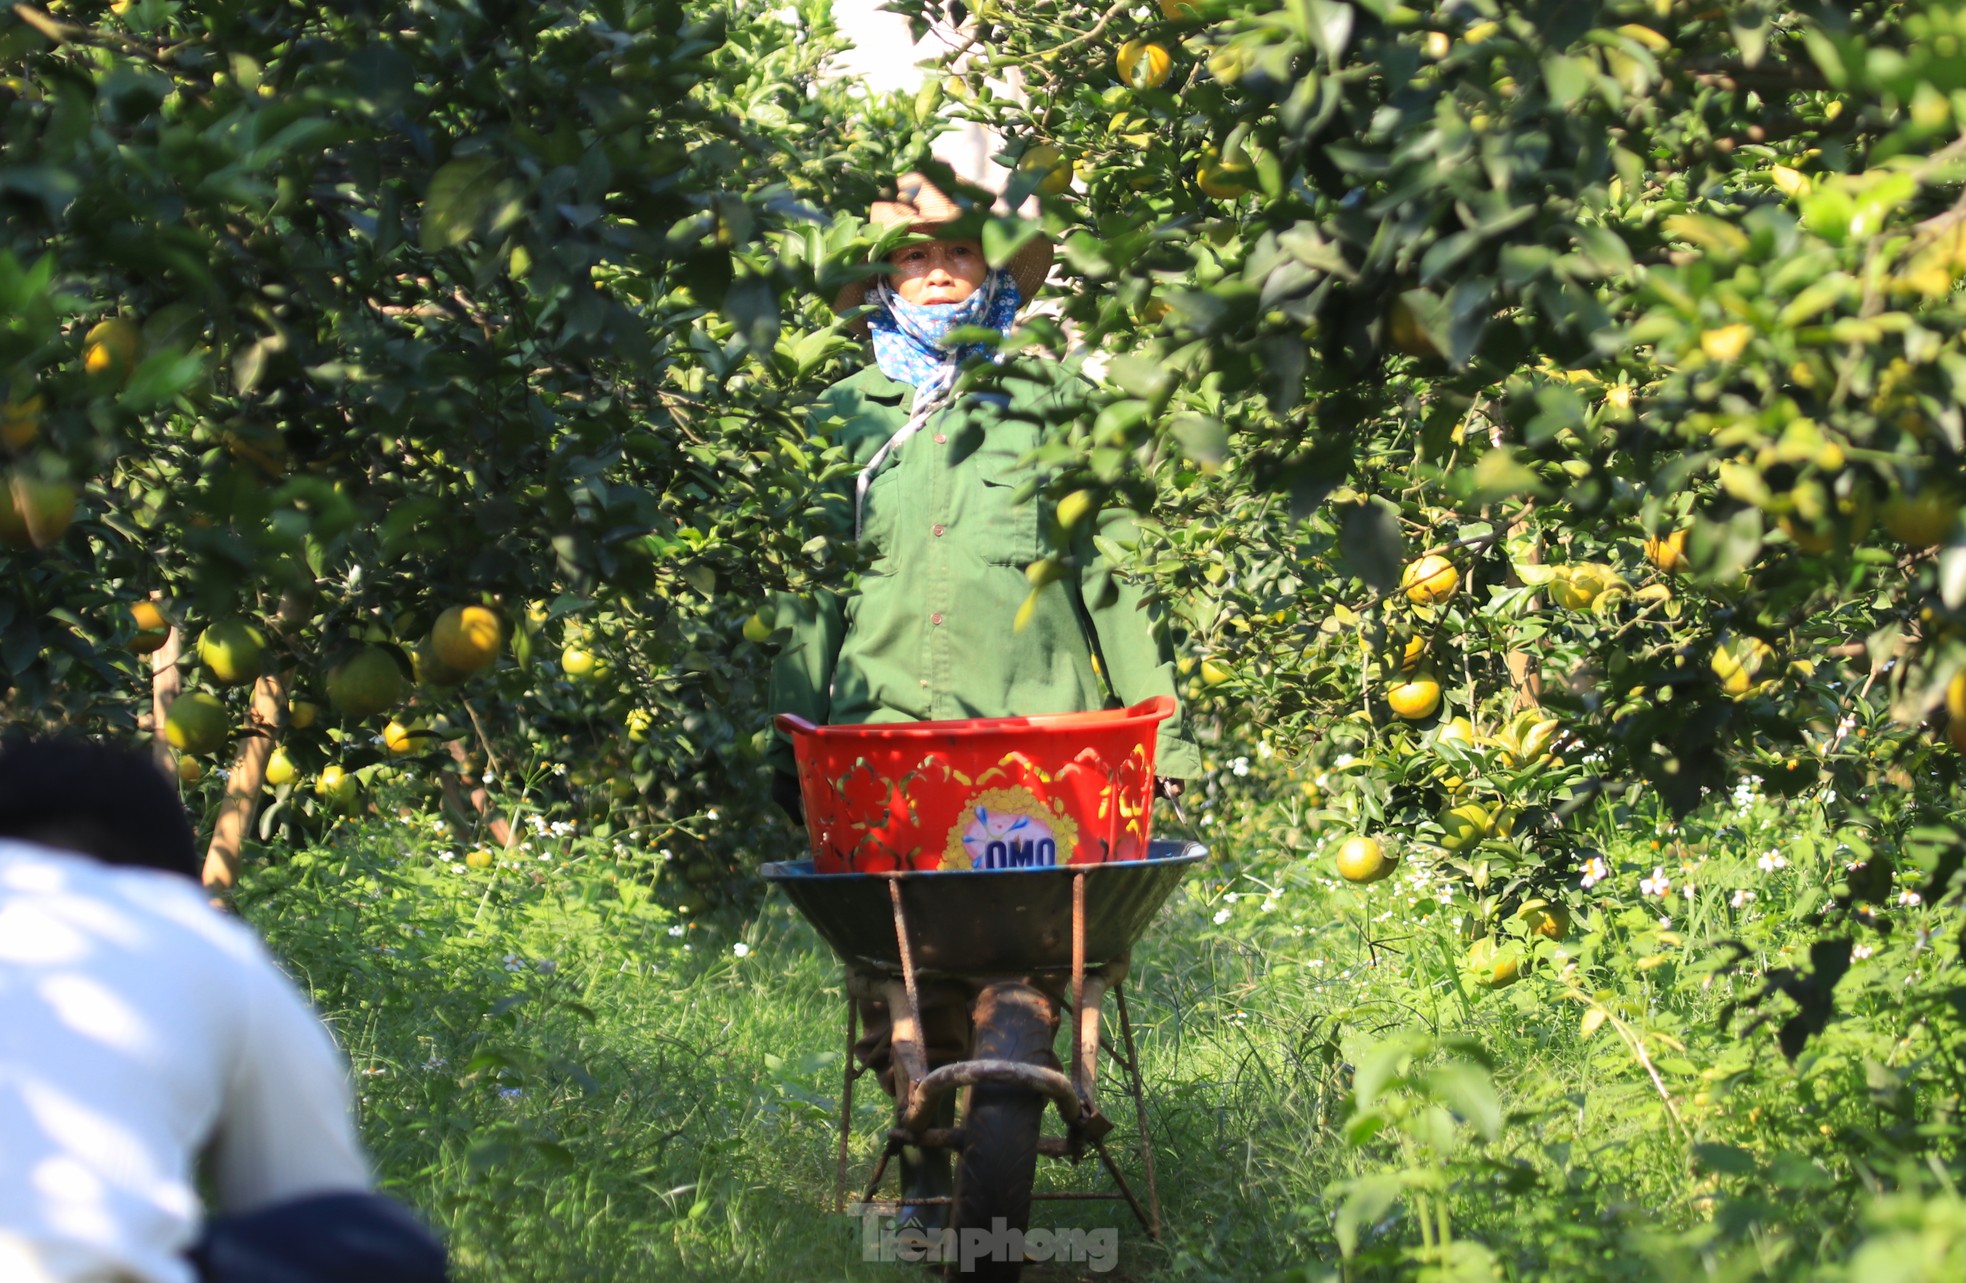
column 574, row 1077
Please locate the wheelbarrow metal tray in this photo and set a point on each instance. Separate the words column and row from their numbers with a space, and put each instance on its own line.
column 967, row 922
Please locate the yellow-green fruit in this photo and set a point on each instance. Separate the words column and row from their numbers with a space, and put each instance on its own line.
column 1920, row 520
column 20, row 421
column 152, row 629
column 478, row 859
column 109, row 350
column 1490, row 966
column 1405, row 333
column 1459, row 730
column 430, row 669
column 190, row 770
column 1737, row 659
column 1548, row 919
column 1429, row 581
column 302, row 714
column 366, row 683
column 756, row 630
column 466, row 638
column 230, row 650
column 579, row 664
column 1179, row 10
column 1214, row 674
column 35, row 513
column 338, row 788
column 1143, row 65
column 1363, row 860
column 401, row 740
column 1223, row 179
column 1075, row 507
column 1462, row 826
column 197, row 723
column 637, row 725
column 279, row 768
column 1048, row 163
column 1417, row 697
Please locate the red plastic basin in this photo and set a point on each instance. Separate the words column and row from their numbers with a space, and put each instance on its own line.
column 980, row 793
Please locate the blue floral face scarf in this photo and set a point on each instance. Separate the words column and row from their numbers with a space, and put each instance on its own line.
column 911, row 346
column 911, row 339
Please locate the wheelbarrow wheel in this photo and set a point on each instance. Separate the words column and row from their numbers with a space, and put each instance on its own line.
column 1000, row 1126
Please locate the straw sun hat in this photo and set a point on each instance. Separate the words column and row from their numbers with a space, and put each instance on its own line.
column 929, row 211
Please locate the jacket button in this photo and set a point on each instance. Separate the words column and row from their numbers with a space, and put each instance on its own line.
column 940, row 439
column 939, row 529
column 936, row 618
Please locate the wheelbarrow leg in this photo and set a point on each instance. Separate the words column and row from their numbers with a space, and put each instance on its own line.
column 1132, row 1067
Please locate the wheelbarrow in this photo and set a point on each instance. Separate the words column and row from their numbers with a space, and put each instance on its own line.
column 1071, row 925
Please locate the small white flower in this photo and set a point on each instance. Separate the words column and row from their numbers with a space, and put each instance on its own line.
column 1862, row 951
column 1270, row 904
column 741, row 949
column 710, row 814
column 559, row 768
column 1221, row 916
column 1239, row 767
column 676, row 930
column 513, row 962
column 1771, row 860
column 1665, row 923
column 1741, row 898
column 1595, row 871
column 1657, row 884
column 1909, row 897
column 1233, row 896
column 1342, row 760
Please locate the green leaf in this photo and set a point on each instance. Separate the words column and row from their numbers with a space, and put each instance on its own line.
column 1003, row 237
column 463, row 197
column 1202, row 438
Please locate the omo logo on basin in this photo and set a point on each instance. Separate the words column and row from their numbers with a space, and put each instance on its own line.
column 1009, row 829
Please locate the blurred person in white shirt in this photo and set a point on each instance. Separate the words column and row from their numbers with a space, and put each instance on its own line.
column 147, row 1042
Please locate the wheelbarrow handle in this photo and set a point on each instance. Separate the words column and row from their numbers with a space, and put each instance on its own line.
column 792, row 724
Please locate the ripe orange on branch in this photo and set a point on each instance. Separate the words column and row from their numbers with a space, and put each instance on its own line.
column 1143, row 65
column 153, row 630
column 366, row 683
column 1416, row 697
column 1363, row 860
column 109, row 350
column 196, row 723
column 230, row 650
column 34, row 512
column 1667, row 551
column 466, row 638
column 1430, row 580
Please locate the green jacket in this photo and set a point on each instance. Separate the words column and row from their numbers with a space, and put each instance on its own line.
column 929, row 634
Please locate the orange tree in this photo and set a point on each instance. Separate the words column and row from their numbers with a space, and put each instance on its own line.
column 319, row 322
column 1642, row 315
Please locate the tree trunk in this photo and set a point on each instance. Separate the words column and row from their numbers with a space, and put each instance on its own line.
column 242, row 788
column 165, row 683
column 468, row 803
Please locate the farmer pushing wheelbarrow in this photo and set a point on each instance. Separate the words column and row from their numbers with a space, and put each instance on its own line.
column 932, row 634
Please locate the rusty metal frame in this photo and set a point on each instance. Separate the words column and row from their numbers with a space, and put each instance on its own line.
column 1075, row 1095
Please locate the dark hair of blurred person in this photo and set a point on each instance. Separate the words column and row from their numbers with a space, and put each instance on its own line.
column 107, row 802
